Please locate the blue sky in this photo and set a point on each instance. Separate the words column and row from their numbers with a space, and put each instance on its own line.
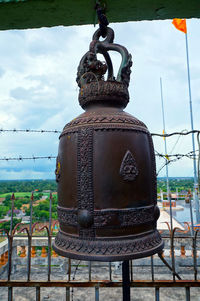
column 38, row 88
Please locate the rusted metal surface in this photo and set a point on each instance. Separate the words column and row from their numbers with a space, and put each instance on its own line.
column 105, row 168
column 101, row 283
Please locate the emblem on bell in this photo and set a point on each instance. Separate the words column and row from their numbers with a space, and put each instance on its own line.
column 105, row 169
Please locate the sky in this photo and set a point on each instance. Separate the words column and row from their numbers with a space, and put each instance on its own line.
column 38, row 89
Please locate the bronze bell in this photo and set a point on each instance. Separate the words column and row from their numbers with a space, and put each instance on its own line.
column 106, row 170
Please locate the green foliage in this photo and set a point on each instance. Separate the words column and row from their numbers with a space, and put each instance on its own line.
column 6, row 225
column 3, row 211
column 23, row 190
column 174, row 183
column 41, row 211
column 7, row 201
column 27, row 186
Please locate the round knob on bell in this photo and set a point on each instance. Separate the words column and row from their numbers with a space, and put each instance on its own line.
column 85, row 218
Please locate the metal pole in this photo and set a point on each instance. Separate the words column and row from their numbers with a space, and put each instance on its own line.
column 163, row 116
column 168, row 192
column 192, row 128
column 49, row 237
column 10, row 293
column 30, row 238
column 12, row 213
column 191, row 215
column 96, row 293
column 31, row 213
column 157, row 294
column 152, row 269
column 187, row 293
column 67, row 294
column 110, row 271
column 126, row 280
column 89, row 270
column 37, row 293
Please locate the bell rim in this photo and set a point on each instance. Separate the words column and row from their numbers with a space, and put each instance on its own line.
column 135, row 254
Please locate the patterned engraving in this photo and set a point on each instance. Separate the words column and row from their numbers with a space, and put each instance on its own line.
column 109, row 91
column 104, row 218
column 128, row 169
column 106, row 247
column 104, row 119
column 85, row 178
column 67, row 216
column 137, row 217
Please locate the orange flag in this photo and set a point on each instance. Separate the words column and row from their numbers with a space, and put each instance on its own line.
column 163, row 134
column 180, row 24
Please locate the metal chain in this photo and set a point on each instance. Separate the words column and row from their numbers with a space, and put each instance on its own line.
column 103, row 21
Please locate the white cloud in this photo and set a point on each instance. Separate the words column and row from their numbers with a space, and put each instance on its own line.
column 24, row 175
column 38, row 88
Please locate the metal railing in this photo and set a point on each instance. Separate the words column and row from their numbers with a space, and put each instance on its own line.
column 181, row 251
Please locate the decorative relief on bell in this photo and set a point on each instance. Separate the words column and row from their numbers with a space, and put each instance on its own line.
column 104, row 218
column 57, row 171
column 128, row 169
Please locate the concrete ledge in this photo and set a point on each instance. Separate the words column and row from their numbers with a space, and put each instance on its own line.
column 3, row 246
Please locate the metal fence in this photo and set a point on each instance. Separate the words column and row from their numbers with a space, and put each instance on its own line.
column 179, row 261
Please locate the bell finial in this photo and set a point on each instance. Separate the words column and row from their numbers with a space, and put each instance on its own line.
column 91, row 72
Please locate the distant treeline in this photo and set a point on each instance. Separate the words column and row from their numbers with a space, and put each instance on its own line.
column 41, row 185
column 175, row 183
column 27, row 186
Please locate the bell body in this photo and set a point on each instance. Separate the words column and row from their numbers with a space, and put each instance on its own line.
column 107, row 190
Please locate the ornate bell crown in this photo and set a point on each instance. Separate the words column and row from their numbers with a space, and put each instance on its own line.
column 91, row 72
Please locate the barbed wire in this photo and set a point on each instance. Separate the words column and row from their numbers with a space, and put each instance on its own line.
column 167, row 162
column 190, row 155
column 168, row 158
column 182, row 133
column 20, row 158
column 29, row 131
column 175, row 133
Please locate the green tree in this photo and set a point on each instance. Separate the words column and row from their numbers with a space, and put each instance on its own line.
column 7, row 201
column 6, row 225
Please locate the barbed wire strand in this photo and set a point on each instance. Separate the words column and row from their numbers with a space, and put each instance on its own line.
column 190, row 155
column 29, row 131
column 168, row 158
column 176, row 133
column 20, row 158
column 182, row 133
